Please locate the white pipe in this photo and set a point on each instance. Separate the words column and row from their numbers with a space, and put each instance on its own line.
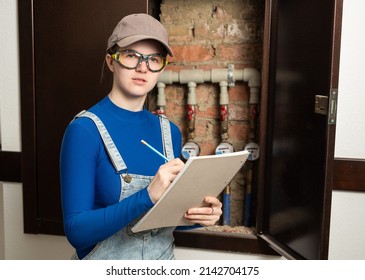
column 223, row 96
column 252, row 76
column 161, row 100
column 192, row 77
column 168, row 77
column 254, row 95
column 191, row 94
column 199, row 76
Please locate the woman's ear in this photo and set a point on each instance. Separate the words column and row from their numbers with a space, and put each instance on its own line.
column 109, row 61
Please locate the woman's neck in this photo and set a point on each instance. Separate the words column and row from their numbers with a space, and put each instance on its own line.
column 133, row 104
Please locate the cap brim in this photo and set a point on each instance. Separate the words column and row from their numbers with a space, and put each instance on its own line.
column 125, row 42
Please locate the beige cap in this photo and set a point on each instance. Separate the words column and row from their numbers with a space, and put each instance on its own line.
column 138, row 27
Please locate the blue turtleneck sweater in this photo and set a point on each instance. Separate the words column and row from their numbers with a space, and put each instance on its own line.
column 90, row 187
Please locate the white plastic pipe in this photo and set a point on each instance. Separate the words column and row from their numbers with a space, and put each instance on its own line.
column 199, row 76
column 191, row 94
column 223, row 95
column 252, row 76
column 161, row 99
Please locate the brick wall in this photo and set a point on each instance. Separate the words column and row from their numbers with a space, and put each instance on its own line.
column 207, row 34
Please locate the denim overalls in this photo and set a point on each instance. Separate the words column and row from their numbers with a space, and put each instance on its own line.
column 147, row 245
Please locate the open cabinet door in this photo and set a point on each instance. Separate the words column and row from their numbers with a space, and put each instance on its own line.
column 300, row 72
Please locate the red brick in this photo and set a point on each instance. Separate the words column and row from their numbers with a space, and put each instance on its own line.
column 193, row 53
column 239, row 93
column 239, row 52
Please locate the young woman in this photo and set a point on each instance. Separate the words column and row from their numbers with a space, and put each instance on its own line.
column 108, row 178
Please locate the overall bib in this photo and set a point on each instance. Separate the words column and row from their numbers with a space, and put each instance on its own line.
column 148, row 245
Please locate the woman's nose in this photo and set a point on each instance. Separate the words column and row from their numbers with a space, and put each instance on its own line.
column 142, row 66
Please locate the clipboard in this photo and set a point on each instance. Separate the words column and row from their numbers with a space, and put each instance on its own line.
column 201, row 176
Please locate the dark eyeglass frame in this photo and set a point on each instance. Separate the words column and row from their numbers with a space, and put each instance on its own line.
column 141, row 57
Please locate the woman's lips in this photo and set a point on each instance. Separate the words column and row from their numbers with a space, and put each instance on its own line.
column 139, row 81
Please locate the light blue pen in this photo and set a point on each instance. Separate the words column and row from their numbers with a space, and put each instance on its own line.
column 154, row 150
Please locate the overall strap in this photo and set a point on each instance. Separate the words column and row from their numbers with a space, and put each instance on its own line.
column 166, row 137
column 112, row 150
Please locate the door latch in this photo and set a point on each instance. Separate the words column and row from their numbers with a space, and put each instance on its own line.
column 327, row 105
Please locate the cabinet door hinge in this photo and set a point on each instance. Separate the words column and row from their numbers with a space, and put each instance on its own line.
column 327, row 105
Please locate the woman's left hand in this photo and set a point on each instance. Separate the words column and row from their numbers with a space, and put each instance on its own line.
column 206, row 215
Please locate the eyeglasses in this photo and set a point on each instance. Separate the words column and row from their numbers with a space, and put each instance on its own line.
column 131, row 59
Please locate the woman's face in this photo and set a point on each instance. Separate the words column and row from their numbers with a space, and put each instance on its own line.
column 135, row 83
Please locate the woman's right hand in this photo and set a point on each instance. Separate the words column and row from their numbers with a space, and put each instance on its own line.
column 163, row 178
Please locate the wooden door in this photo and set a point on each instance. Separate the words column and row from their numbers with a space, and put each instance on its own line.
column 301, row 62
column 62, row 49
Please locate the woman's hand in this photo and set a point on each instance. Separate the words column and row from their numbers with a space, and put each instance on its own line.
column 205, row 216
column 163, row 178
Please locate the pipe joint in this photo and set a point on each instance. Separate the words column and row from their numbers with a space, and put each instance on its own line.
column 252, row 76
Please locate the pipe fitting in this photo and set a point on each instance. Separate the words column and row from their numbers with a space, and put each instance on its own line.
column 161, row 100
column 191, row 94
column 218, row 75
column 223, row 96
column 252, row 76
column 168, row 77
column 254, row 95
column 198, row 76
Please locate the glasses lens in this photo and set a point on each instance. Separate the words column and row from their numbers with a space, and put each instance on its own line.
column 131, row 59
column 156, row 62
